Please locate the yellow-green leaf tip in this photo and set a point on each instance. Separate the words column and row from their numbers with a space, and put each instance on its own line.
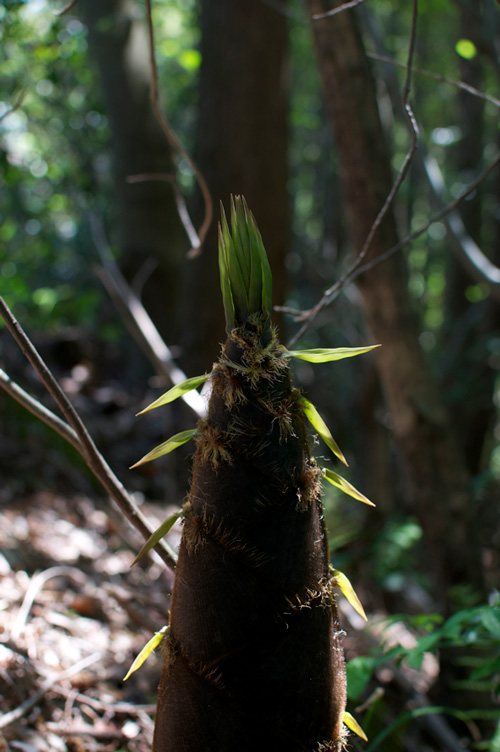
column 326, row 355
column 146, row 651
column 345, row 486
column 168, row 446
column 354, row 726
column 319, row 424
column 347, row 589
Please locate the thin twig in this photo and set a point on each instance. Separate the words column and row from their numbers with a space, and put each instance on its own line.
column 26, row 706
column 36, row 584
column 174, row 141
column 438, row 77
column 66, row 8
column 126, row 708
column 40, row 411
column 310, row 315
column 435, row 218
column 89, row 451
column 340, row 9
column 353, row 274
column 179, row 200
column 15, row 106
column 138, row 320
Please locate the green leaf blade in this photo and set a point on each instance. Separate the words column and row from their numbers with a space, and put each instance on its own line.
column 345, row 486
column 345, row 585
column 146, row 651
column 327, row 355
column 168, row 446
column 354, row 726
column 158, row 534
column 177, row 391
column 319, row 424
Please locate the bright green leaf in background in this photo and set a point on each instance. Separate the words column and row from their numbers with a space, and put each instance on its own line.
column 359, row 671
column 466, row 49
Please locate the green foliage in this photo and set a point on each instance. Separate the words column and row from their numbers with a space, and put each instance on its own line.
column 48, row 148
column 245, row 275
column 475, row 636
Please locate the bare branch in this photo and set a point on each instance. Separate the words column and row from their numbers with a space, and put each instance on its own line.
column 66, row 8
column 15, row 106
column 435, row 218
column 89, row 451
column 437, row 77
column 179, row 200
column 174, row 141
column 138, row 321
column 476, row 261
column 40, row 411
column 491, row 270
column 334, row 11
column 309, row 316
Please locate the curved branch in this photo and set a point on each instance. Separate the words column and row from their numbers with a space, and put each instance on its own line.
column 94, row 459
column 174, row 141
column 309, row 316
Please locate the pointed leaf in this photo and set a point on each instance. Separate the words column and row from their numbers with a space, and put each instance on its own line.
column 158, row 534
column 319, row 424
column 168, row 446
column 177, row 391
column 146, row 651
column 345, row 486
column 225, row 284
column 239, row 232
column 236, row 276
column 353, row 725
column 264, row 270
column 344, row 584
column 325, row 355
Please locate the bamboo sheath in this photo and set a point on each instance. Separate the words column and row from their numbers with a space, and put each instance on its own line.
column 253, row 660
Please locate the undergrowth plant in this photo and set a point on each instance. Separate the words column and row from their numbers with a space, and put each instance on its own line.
column 252, row 655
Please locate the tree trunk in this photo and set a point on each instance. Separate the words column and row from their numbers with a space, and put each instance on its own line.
column 437, row 482
column 146, row 213
column 241, row 148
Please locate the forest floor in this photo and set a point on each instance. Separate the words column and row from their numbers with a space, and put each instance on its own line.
column 73, row 615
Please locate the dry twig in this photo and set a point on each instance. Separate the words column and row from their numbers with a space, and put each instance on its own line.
column 25, row 707
column 174, row 141
column 340, row 9
column 138, row 321
column 87, row 448
column 309, row 316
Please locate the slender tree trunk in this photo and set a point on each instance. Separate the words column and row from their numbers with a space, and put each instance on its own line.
column 241, row 147
column 437, row 482
column 146, row 214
